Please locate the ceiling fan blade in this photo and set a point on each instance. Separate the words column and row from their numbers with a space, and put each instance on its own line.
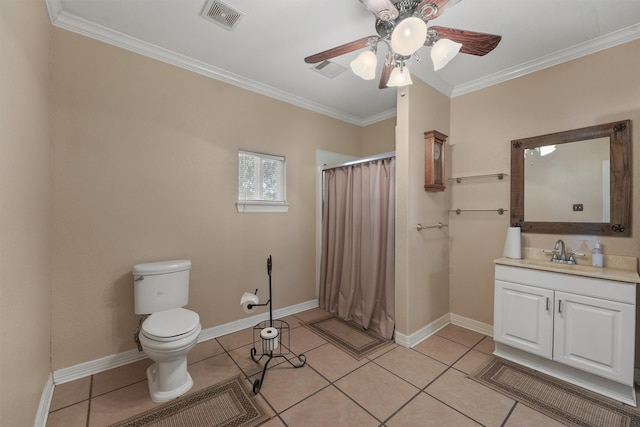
column 439, row 4
column 473, row 43
column 342, row 49
column 387, row 68
column 384, row 10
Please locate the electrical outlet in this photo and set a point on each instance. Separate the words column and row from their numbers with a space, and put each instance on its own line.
column 577, row 207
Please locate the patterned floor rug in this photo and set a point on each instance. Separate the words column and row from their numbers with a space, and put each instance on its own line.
column 226, row 404
column 348, row 336
column 566, row 403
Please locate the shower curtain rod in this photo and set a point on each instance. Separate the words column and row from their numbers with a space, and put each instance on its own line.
column 358, row 161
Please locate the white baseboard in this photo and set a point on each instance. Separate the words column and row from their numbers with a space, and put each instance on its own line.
column 423, row 333
column 64, row 375
column 433, row 327
column 471, row 324
column 227, row 328
column 45, row 403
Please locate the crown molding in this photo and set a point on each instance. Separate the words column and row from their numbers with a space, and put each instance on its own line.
column 67, row 21
column 390, row 113
column 616, row 38
column 64, row 20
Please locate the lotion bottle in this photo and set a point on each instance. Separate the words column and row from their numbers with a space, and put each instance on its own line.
column 596, row 258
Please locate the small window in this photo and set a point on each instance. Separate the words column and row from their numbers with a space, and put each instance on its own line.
column 261, row 183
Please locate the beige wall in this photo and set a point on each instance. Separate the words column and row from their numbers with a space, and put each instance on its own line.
column 25, row 210
column 599, row 88
column 145, row 169
column 144, row 165
column 422, row 258
column 379, row 137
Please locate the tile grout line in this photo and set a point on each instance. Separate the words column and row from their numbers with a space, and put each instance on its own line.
column 383, row 422
column 330, row 384
column 369, row 360
column 89, row 399
column 451, row 367
column 515, row 403
column 445, row 403
column 248, row 377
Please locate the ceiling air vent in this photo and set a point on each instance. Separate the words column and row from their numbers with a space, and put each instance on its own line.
column 329, row 69
column 221, row 14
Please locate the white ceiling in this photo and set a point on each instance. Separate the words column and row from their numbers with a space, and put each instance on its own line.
column 265, row 52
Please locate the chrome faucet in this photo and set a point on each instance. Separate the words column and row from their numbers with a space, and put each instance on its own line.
column 563, row 254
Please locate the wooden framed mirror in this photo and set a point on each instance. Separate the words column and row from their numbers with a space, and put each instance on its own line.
column 573, row 182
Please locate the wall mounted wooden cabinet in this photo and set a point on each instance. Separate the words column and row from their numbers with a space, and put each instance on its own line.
column 434, row 160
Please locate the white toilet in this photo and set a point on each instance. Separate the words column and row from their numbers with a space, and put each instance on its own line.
column 161, row 289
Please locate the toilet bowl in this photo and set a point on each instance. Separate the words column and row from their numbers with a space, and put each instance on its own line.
column 161, row 290
column 166, row 338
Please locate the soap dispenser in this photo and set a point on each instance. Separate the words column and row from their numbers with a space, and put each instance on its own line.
column 596, row 258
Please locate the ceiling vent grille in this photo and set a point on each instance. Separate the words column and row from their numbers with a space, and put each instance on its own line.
column 329, row 69
column 221, row 14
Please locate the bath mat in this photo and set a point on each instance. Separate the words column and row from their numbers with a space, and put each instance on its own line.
column 564, row 402
column 226, row 404
column 348, row 336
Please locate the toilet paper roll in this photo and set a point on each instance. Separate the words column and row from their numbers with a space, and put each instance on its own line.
column 269, row 339
column 249, row 298
column 513, row 244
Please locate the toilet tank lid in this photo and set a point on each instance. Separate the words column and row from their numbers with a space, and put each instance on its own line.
column 161, row 267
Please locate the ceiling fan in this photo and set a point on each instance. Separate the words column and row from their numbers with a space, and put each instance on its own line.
column 402, row 26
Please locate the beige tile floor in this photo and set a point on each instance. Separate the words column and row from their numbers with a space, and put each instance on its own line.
column 423, row 386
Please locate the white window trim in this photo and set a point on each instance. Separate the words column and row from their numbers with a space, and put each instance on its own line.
column 252, row 206
column 265, row 206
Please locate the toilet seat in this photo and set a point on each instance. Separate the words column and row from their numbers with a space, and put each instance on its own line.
column 170, row 325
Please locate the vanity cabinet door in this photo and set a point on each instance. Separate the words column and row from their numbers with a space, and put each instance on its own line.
column 523, row 317
column 595, row 335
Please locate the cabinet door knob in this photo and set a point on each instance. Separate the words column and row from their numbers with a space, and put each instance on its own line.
column 547, row 303
column 560, row 306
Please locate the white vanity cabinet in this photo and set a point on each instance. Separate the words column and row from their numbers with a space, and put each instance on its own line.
column 595, row 335
column 523, row 317
column 577, row 328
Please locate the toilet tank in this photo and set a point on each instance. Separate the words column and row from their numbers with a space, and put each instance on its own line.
column 159, row 286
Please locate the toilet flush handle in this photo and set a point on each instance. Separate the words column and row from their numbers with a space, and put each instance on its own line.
column 137, row 279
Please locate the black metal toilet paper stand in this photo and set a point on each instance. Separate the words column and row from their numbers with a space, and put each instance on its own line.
column 282, row 349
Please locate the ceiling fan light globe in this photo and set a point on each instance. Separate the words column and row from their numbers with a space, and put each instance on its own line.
column 408, row 36
column 399, row 77
column 406, row 78
column 364, row 66
column 443, row 51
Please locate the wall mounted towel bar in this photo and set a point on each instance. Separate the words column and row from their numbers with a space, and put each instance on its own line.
column 459, row 179
column 459, row 211
column 421, row 227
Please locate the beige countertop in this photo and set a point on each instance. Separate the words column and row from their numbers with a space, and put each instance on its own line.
column 620, row 268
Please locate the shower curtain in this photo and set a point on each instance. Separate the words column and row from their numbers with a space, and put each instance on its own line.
column 357, row 273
